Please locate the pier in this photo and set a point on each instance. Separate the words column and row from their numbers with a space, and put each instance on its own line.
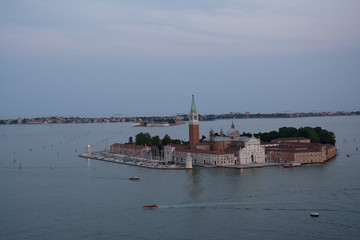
column 130, row 160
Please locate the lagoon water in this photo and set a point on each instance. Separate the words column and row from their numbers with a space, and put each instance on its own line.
column 57, row 195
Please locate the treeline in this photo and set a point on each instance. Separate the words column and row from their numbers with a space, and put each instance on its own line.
column 146, row 139
column 316, row 135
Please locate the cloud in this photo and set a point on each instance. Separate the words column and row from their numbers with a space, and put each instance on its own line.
column 232, row 28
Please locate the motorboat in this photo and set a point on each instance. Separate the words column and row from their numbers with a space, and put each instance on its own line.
column 289, row 165
column 314, row 214
column 150, row 206
column 134, row 178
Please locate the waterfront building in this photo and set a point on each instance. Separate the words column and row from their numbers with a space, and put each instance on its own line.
column 202, row 157
column 299, row 150
column 252, row 152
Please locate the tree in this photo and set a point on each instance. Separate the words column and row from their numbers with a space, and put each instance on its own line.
column 176, row 141
column 155, row 141
column 130, row 140
column 286, row 132
column 143, row 139
column 166, row 140
column 171, row 121
column 308, row 132
column 327, row 137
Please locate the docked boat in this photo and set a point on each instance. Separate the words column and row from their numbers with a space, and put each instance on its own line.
column 150, row 206
column 134, row 178
column 174, row 166
column 314, row 214
column 289, row 165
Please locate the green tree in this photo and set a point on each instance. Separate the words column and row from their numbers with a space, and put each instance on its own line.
column 143, row 139
column 176, row 141
column 286, row 132
column 166, row 140
column 327, row 137
column 308, row 132
column 171, row 121
column 155, row 141
column 130, row 140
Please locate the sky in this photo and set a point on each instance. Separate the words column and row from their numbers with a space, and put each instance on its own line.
column 147, row 57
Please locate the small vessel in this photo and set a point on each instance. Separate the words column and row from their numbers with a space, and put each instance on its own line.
column 150, row 206
column 314, row 214
column 173, row 166
column 134, row 178
column 348, row 155
column 288, row 165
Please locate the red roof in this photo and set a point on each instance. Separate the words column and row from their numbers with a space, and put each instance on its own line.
column 201, row 151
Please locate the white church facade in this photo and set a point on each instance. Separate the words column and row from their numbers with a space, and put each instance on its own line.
column 252, row 152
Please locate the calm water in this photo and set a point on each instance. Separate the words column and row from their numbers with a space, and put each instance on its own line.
column 56, row 195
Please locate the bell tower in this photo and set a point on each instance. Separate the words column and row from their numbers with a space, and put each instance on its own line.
column 193, row 125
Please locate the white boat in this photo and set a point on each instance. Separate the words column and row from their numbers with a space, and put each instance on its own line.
column 295, row 164
column 314, row 214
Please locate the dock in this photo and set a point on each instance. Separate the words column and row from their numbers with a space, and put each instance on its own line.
column 255, row 165
column 130, row 160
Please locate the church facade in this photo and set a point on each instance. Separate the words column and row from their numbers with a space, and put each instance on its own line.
column 252, row 152
column 224, row 150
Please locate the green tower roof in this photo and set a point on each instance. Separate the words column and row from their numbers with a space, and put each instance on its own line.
column 193, row 107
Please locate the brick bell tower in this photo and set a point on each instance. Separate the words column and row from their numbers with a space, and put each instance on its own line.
column 193, row 125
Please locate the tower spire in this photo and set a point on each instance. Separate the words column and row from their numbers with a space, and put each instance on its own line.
column 193, row 107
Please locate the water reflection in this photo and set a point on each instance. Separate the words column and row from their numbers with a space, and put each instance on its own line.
column 193, row 183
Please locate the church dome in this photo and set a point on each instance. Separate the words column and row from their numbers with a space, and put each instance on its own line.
column 232, row 132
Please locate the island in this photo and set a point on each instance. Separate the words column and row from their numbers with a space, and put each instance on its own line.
column 231, row 149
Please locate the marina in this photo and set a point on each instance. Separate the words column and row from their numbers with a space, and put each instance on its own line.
column 106, row 156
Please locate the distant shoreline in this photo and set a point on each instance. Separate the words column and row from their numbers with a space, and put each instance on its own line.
column 171, row 120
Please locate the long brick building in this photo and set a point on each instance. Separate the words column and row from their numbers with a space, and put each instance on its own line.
column 288, row 150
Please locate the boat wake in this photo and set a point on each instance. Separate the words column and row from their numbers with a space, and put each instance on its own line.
column 248, row 206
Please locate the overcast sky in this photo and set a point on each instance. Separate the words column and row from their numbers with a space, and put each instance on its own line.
column 147, row 57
